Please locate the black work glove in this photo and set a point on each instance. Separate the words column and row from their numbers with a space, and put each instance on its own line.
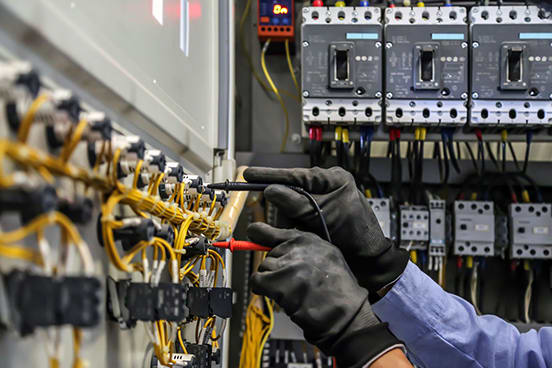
column 352, row 225
column 311, row 281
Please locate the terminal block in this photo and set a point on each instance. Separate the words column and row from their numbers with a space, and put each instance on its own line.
column 414, row 227
column 427, row 66
column 341, row 65
column 511, row 61
column 382, row 209
column 530, row 226
column 474, row 228
column 437, row 229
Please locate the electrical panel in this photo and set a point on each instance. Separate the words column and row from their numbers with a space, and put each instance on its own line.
column 530, row 230
column 276, row 19
column 426, row 58
column 414, row 227
column 92, row 203
column 341, row 65
column 511, row 57
column 474, row 228
column 382, row 209
column 437, row 228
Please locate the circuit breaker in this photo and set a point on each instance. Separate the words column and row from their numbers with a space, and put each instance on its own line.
column 530, row 226
column 382, row 209
column 511, row 61
column 426, row 62
column 341, row 65
column 474, row 228
column 437, row 229
column 414, row 227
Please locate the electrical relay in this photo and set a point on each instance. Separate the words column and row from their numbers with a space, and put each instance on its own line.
column 382, row 209
column 437, row 229
column 414, row 227
column 474, row 228
column 511, row 62
column 276, row 19
column 530, row 225
column 341, row 65
column 426, row 62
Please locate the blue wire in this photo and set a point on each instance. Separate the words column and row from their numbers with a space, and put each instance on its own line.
column 364, row 3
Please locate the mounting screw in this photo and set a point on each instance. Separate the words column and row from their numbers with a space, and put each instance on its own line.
column 475, row 95
column 305, row 44
column 295, row 138
column 389, row 95
column 464, row 45
column 475, row 10
column 388, row 45
column 412, row 104
column 378, row 45
column 306, row 94
column 464, row 96
column 475, row 45
column 378, row 94
column 305, row 10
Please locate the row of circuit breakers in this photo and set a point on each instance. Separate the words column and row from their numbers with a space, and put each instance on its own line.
column 427, row 66
column 473, row 227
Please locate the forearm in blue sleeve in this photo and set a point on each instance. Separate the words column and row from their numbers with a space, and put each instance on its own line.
column 443, row 330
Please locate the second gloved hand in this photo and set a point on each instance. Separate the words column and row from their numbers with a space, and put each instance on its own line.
column 311, row 281
column 351, row 222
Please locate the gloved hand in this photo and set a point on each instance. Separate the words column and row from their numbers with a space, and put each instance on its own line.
column 310, row 280
column 352, row 224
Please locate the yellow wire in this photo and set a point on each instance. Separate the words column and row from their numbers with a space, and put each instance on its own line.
column 29, row 117
column 277, row 93
column 291, row 71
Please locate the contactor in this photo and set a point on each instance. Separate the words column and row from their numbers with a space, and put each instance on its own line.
column 474, row 228
column 414, row 227
column 530, row 226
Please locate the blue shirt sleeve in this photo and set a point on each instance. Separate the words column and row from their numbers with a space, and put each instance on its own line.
column 443, row 330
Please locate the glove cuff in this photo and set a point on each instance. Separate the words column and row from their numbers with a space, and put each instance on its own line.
column 374, row 273
column 362, row 347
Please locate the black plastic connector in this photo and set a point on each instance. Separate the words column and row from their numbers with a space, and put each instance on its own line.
column 31, row 81
column 73, row 109
column 103, row 127
column 130, row 234
column 167, row 301
column 198, row 302
column 38, row 301
column 29, row 202
column 202, row 354
column 220, row 302
column 176, row 171
column 198, row 247
column 138, row 147
column 166, row 233
column 79, row 210
column 158, row 159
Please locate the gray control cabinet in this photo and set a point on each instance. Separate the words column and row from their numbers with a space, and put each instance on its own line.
column 474, row 228
column 511, row 59
column 426, row 66
column 341, row 65
column 530, row 227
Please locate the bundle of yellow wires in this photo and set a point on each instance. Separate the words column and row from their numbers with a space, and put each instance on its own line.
column 258, row 326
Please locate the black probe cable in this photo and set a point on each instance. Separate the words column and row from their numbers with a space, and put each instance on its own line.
column 229, row 186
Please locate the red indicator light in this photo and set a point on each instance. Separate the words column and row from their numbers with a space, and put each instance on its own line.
column 279, row 9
